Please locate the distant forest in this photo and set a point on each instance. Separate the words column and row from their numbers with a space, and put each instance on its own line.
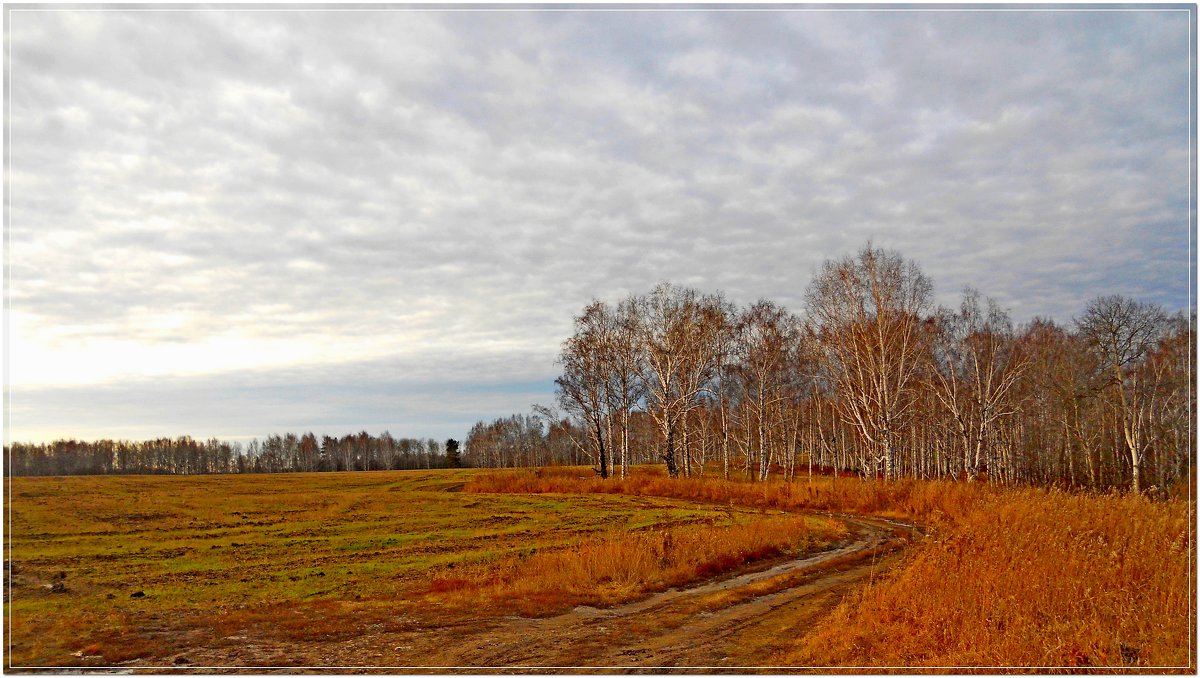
column 874, row 380
column 275, row 454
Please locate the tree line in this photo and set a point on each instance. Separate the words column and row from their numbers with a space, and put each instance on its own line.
column 274, row 454
column 873, row 380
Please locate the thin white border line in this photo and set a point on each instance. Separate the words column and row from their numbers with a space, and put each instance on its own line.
column 5, row 423
column 635, row 8
column 576, row 9
column 1191, row 307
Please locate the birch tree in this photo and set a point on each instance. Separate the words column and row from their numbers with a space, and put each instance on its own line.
column 679, row 343
column 623, row 363
column 1122, row 332
column 583, row 386
column 768, row 338
column 869, row 311
column 976, row 367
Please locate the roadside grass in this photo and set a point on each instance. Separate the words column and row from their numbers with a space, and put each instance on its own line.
column 1030, row 578
column 1006, row 577
column 323, row 556
column 620, row 565
column 924, row 501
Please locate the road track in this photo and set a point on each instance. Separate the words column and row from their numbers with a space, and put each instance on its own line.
column 727, row 624
column 733, row 624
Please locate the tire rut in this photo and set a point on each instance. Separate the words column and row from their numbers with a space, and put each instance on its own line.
column 702, row 627
column 731, row 624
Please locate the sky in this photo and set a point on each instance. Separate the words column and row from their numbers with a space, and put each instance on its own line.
column 238, row 222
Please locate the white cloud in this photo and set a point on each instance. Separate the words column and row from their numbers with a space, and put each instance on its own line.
column 232, row 192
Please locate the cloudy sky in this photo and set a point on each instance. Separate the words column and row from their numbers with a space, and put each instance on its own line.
column 236, row 222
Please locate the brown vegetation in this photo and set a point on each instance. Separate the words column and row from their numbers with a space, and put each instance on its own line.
column 280, row 570
column 1028, row 578
column 619, row 566
column 926, row 501
column 1007, row 578
column 299, row 558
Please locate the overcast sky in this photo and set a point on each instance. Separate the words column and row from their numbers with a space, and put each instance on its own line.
column 233, row 222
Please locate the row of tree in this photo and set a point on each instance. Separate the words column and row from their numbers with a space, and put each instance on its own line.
column 546, row 438
column 874, row 380
column 274, row 454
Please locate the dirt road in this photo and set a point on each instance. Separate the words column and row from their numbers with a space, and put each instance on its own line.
column 729, row 624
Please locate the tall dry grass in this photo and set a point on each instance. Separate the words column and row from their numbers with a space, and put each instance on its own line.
column 925, row 501
column 620, row 566
column 1008, row 577
column 1028, row 579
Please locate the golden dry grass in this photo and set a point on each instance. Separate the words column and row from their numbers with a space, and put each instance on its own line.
column 1028, row 578
column 620, row 566
column 925, row 501
column 1008, row 577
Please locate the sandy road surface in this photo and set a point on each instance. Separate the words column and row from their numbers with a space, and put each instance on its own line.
column 732, row 623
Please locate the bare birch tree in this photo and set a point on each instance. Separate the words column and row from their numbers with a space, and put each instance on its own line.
column 622, row 363
column 679, row 343
column 976, row 366
column 768, row 338
column 869, row 311
column 1122, row 332
column 583, row 386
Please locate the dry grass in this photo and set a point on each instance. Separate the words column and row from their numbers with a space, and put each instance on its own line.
column 1028, row 579
column 925, row 501
column 321, row 557
column 620, row 566
column 1008, row 578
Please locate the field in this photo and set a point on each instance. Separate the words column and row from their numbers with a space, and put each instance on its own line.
column 556, row 568
column 1022, row 578
column 105, row 570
